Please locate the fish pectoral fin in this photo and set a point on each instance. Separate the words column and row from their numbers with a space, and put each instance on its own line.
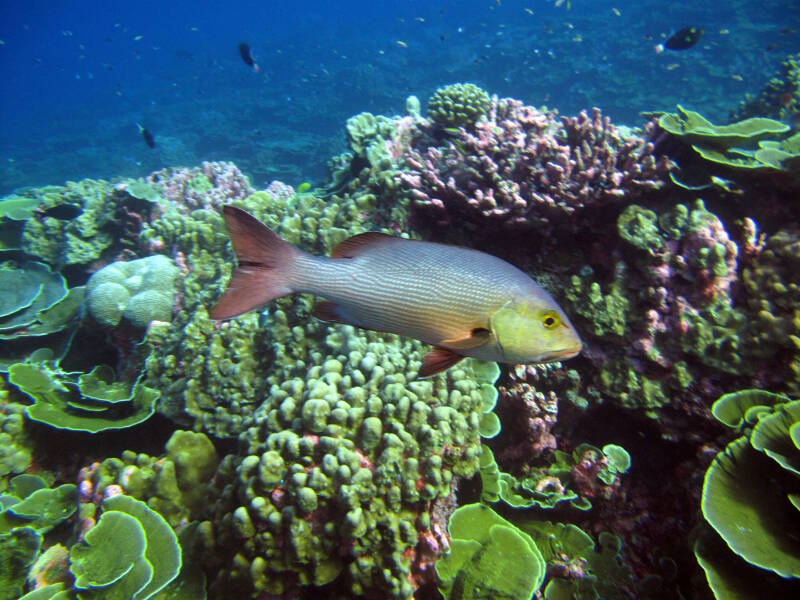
column 438, row 360
column 353, row 246
column 477, row 337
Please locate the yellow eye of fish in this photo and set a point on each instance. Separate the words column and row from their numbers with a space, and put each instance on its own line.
column 550, row 320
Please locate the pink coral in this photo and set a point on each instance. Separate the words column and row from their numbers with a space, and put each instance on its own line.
column 535, row 410
column 209, row 186
column 526, row 169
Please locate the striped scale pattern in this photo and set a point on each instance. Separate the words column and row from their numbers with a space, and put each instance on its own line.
column 431, row 292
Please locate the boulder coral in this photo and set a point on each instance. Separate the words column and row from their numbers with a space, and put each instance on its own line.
column 140, row 291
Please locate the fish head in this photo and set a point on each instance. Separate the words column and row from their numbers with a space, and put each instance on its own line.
column 534, row 330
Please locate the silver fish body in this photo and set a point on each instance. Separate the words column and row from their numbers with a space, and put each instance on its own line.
column 462, row 301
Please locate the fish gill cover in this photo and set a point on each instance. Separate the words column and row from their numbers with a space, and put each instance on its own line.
column 638, row 161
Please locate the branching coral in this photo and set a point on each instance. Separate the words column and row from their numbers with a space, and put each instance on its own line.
column 209, row 186
column 522, row 169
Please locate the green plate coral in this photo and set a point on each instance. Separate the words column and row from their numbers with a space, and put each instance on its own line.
column 749, row 496
column 489, row 558
column 88, row 402
column 131, row 553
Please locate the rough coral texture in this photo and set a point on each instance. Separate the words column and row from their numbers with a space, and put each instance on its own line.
column 210, row 186
column 342, row 467
column 343, row 456
column 662, row 315
column 458, row 105
column 522, row 169
column 81, row 223
column 773, row 296
column 211, row 373
column 15, row 443
column 175, row 484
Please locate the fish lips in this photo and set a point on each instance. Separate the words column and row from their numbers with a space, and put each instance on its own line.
column 563, row 354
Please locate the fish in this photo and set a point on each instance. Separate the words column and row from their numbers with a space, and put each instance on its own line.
column 463, row 302
column 684, row 38
column 247, row 57
column 148, row 137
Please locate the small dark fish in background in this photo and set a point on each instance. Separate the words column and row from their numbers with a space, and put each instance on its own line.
column 244, row 52
column 148, row 137
column 682, row 39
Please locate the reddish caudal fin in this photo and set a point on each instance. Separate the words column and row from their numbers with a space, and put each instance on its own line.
column 438, row 360
column 263, row 258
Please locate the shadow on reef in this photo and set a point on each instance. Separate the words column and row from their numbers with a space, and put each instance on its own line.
column 277, row 456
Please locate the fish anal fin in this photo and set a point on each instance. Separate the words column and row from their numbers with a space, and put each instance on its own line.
column 438, row 360
column 325, row 310
column 353, row 246
column 477, row 337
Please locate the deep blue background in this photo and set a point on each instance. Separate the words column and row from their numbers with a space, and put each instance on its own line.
column 76, row 80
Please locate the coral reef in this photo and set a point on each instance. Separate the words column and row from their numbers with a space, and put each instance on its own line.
column 89, row 402
column 175, row 484
column 522, row 169
column 753, row 147
column 131, row 552
column 39, row 313
column 15, row 443
column 773, row 299
column 671, row 298
column 347, row 456
column 780, row 96
column 489, row 557
column 319, row 465
column 81, row 223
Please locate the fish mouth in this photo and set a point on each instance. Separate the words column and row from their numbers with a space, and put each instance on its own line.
column 566, row 353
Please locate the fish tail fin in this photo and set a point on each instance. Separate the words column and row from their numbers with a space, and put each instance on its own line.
column 264, row 259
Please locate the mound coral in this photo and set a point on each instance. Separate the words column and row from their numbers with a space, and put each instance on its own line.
column 458, row 105
column 175, row 484
column 347, row 456
column 140, row 291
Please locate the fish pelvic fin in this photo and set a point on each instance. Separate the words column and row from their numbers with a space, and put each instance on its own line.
column 438, row 360
column 263, row 258
column 325, row 310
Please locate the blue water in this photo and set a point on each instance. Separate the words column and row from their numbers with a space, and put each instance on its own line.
column 78, row 76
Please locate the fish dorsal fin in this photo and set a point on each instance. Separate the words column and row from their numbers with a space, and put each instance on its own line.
column 438, row 360
column 477, row 337
column 354, row 246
